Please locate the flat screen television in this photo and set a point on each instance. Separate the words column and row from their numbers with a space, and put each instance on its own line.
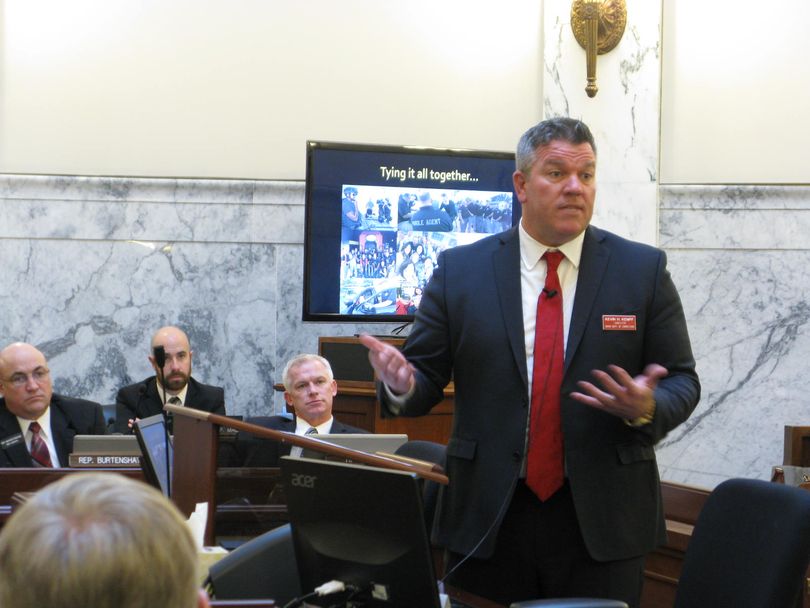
column 377, row 217
column 362, row 526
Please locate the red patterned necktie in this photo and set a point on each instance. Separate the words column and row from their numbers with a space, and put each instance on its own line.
column 544, row 472
column 39, row 450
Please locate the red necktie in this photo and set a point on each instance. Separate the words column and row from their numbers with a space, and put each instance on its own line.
column 544, row 472
column 39, row 451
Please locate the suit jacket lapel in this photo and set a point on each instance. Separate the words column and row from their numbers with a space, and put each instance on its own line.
column 62, row 430
column 506, row 262
column 288, row 426
column 193, row 393
column 153, row 395
column 16, row 452
column 592, row 265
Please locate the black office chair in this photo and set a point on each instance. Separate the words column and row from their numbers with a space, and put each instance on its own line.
column 109, row 412
column 428, row 451
column 264, row 567
column 750, row 549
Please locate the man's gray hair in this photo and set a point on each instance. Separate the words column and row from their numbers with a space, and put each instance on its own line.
column 559, row 128
column 300, row 360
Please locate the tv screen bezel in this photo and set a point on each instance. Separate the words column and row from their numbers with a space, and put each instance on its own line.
column 312, row 273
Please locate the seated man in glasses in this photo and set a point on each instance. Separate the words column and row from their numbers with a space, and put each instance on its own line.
column 37, row 426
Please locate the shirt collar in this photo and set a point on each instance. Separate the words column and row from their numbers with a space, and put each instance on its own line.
column 181, row 395
column 44, row 422
column 532, row 250
column 302, row 426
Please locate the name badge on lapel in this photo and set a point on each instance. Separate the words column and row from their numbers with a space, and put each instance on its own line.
column 619, row 322
column 12, row 440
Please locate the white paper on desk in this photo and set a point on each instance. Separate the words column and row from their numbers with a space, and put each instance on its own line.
column 196, row 523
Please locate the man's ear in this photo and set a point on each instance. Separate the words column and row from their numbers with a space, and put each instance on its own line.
column 519, row 182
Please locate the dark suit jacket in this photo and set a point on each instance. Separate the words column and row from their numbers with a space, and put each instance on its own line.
column 470, row 324
column 254, row 451
column 69, row 417
column 142, row 400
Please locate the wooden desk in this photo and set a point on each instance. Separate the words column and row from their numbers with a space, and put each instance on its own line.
column 14, row 481
column 356, row 402
column 358, row 406
column 248, row 501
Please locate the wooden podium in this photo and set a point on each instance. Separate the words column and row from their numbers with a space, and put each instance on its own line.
column 196, row 443
column 356, row 402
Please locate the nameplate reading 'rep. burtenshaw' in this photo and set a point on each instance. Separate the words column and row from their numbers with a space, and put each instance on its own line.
column 103, row 460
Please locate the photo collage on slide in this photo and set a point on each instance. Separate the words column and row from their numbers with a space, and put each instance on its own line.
column 391, row 238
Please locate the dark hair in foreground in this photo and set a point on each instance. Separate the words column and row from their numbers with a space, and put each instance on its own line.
column 558, row 128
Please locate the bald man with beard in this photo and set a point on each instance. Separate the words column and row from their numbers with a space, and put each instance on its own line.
column 146, row 398
column 29, row 407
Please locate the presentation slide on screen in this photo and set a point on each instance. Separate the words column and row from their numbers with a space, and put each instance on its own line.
column 378, row 218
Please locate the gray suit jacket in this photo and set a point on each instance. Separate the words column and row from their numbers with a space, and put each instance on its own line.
column 470, row 325
column 69, row 417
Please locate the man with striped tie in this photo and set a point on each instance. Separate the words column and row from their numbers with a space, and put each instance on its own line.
column 37, row 426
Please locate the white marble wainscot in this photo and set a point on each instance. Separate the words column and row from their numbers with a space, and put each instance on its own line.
column 740, row 257
column 623, row 116
column 92, row 266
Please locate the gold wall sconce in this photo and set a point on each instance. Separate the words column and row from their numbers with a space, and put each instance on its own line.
column 598, row 26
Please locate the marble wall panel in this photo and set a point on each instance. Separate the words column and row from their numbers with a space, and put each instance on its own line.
column 92, row 266
column 746, row 301
column 623, row 116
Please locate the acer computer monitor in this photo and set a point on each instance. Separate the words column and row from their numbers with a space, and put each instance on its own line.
column 363, row 526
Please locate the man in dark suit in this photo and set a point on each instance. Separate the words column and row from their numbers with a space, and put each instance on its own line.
column 627, row 377
column 37, row 426
column 309, row 389
column 146, row 398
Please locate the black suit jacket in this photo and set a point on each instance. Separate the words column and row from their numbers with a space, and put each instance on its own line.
column 69, row 417
column 252, row 451
column 142, row 400
column 470, row 325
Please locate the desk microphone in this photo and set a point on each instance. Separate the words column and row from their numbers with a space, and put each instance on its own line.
column 159, row 354
column 160, row 357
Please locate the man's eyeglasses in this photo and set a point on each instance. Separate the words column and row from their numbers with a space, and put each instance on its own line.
column 20, row 379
